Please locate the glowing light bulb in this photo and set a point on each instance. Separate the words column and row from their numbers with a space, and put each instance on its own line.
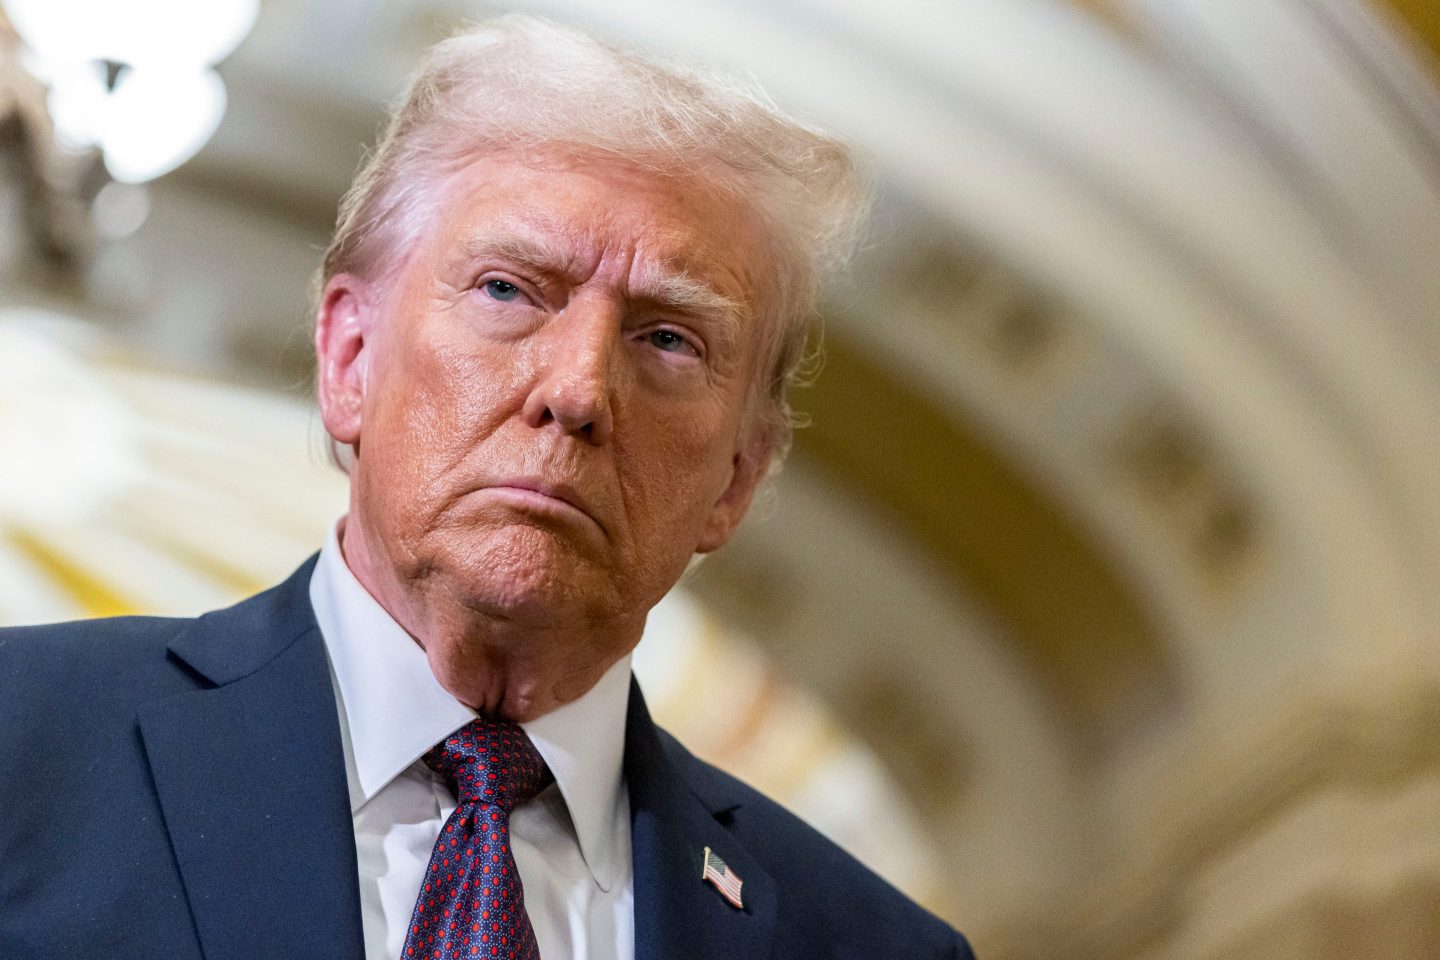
column 136, row 32
column 166, row 101
column 77, row 102
column 159, row 118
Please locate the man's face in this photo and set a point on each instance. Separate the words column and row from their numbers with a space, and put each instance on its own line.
column 552, row 399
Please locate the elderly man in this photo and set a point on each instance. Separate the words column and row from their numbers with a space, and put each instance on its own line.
column 554, row 331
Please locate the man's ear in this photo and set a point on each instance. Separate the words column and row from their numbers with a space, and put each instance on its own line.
column 748, row 468
column 343, row 326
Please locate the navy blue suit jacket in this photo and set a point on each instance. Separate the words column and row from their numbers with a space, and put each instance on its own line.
column 176, row 788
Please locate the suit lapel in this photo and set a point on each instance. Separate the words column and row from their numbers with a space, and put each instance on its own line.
column 677, row 914
column 250, row 774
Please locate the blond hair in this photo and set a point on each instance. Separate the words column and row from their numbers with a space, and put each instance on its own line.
column 519, row 81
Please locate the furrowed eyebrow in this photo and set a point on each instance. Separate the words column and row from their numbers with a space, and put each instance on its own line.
column 665, row 289
column 514, row 247
column 685, row 294
column 680, row 291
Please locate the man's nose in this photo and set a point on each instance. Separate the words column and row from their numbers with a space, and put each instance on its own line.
column 575, row 377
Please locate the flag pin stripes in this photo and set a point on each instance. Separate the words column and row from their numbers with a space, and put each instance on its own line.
column 722, row 878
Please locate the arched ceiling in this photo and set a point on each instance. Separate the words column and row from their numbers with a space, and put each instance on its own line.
column 1076, row 620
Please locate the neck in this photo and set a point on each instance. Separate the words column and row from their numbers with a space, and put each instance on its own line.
column 499, row 665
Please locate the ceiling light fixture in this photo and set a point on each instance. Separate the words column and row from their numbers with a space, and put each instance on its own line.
column 132, row 78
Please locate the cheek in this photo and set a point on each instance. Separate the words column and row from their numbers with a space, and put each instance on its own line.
column 681, row 469
column 448, row 384
column 426, row 417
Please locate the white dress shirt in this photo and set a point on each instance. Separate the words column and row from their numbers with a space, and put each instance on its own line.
column 571, row 842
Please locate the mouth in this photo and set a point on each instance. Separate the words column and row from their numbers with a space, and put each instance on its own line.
column 534, row 495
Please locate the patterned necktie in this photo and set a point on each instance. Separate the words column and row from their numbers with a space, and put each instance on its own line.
column 471, row 905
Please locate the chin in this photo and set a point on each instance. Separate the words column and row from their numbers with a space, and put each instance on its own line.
column 530, row 579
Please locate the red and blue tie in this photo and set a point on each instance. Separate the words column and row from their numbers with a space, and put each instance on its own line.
column 471, row 905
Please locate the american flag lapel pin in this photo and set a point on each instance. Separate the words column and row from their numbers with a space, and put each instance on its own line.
column 719, row 875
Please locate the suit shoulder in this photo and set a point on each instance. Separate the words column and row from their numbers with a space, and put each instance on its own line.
column 108, row 641
column 55, row 667
column 830, row 893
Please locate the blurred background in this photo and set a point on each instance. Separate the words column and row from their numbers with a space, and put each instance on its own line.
column 1098, row 605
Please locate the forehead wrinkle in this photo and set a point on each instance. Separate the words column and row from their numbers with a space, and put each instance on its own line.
column 534, row 238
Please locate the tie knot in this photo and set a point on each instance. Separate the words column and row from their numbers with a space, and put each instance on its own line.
column 490, row 761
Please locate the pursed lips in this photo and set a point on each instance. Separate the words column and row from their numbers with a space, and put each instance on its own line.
column 545, row 496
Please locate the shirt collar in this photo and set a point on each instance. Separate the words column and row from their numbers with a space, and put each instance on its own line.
column 394, row 710
column 583, row 743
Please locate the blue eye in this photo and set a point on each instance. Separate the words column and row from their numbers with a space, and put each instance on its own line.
column 668, row 340
column 502, row 291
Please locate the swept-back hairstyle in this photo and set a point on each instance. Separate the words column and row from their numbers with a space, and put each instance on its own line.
column 522, row 82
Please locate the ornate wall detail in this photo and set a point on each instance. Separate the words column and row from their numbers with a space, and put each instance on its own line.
column 1179, row 481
